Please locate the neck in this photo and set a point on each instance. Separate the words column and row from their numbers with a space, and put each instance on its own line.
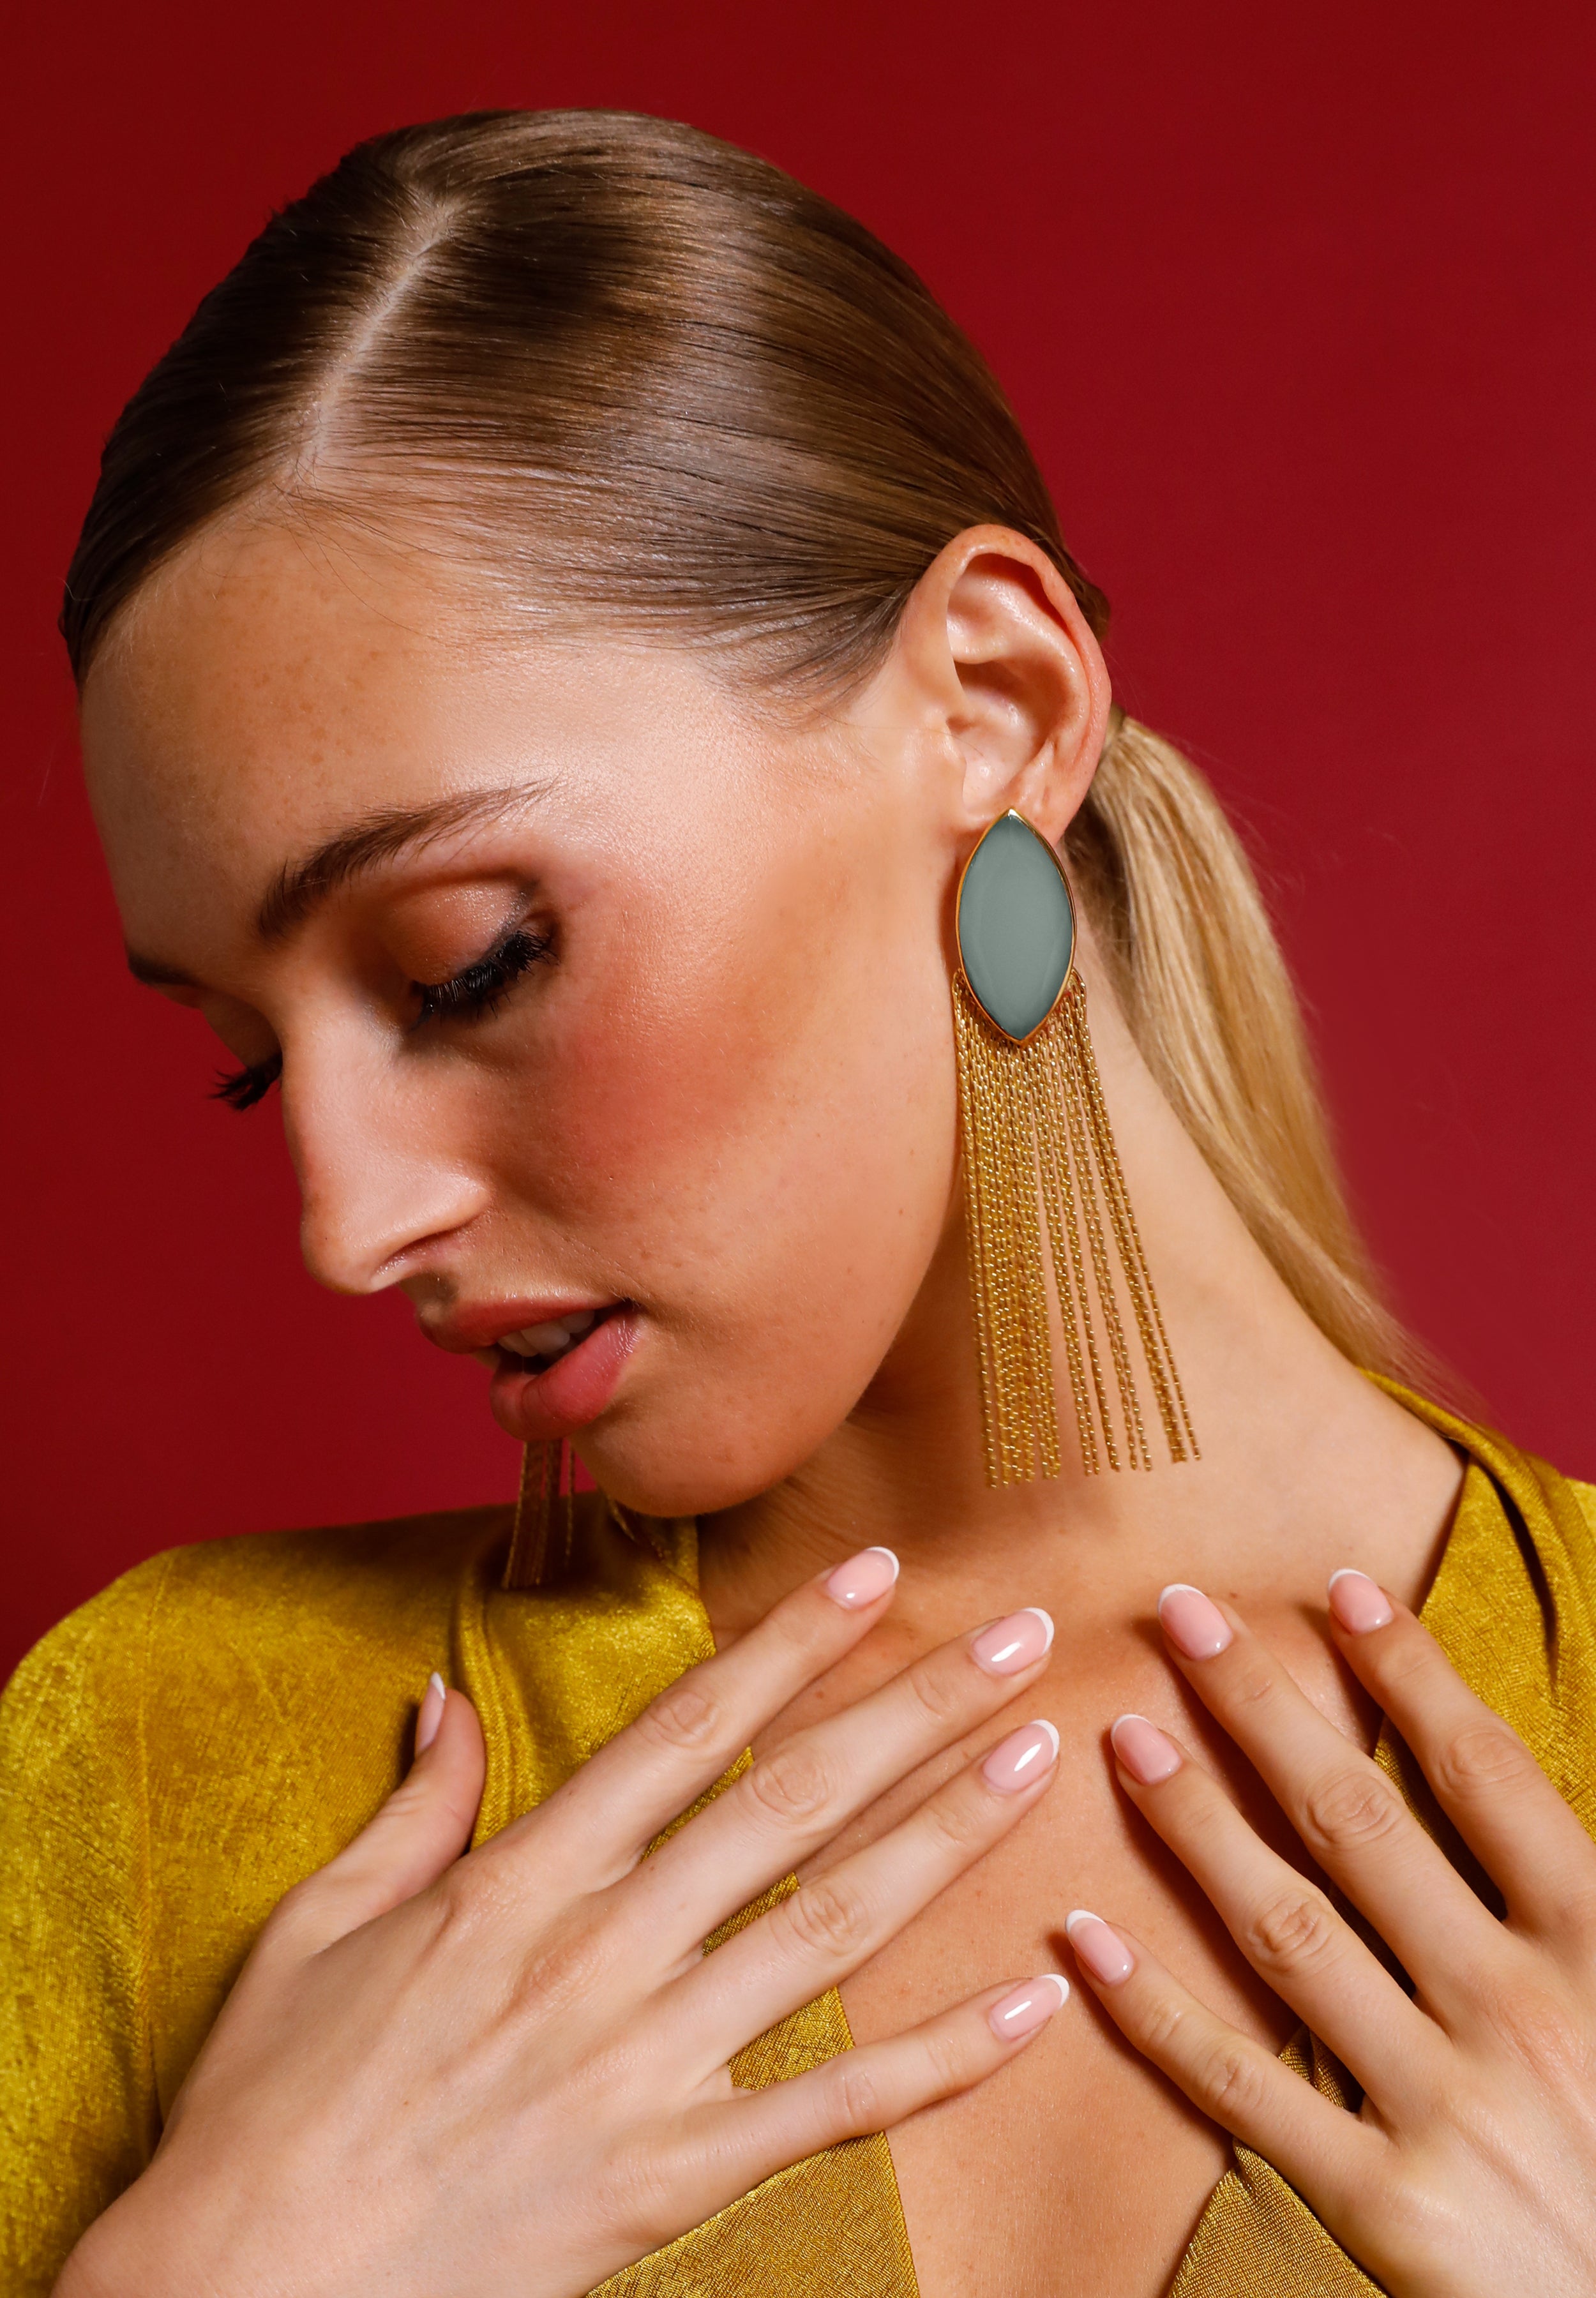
column 1303, row 1457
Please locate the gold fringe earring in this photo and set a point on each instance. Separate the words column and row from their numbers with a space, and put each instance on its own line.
column 1043, row 1183
column 545, row 1519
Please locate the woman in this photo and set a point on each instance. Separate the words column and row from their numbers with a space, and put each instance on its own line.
column 552, row 636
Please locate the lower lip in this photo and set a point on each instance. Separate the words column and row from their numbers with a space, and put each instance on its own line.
column 537, row 1407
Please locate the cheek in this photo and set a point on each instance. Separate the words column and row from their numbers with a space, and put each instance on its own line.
column 761, row 1149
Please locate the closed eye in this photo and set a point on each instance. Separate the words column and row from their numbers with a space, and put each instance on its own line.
column 472, row 994
column 479, row 990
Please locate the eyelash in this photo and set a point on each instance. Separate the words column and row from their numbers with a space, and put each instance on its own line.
column 480, row 989
column 472, row 995
column 242, row 1088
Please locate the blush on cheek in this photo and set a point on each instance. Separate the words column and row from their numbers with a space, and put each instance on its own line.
column 662, row 1093
column 628, row 1117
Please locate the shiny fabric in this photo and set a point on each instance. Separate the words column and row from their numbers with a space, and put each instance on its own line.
column 221, row 1720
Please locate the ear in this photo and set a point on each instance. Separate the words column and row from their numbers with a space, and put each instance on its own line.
column 995, row 649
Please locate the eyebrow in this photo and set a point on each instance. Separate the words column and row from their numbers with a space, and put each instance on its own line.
column 299, row 887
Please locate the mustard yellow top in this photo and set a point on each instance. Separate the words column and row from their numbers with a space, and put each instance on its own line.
column 221, row 1720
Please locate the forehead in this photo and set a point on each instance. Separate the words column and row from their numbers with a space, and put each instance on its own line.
column 271, row 686
column 263, row 667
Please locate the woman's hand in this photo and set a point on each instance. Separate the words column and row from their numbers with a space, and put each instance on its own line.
column 507, row 2072
column 1472, row 2166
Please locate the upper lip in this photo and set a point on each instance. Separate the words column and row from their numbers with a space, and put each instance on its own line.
column 469, row 1325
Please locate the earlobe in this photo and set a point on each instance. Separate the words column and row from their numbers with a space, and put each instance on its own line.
column 996, row 635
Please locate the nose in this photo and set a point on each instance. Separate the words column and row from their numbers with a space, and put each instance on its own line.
column 379, row 1192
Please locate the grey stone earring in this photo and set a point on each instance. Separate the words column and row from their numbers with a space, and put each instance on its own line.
column 1039, row 1162
column 1016, row 927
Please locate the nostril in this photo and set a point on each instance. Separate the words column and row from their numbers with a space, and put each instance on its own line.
column 364, row 1237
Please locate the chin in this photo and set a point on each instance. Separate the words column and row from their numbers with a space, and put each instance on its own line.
column 660, row 1478
column 660, row 1462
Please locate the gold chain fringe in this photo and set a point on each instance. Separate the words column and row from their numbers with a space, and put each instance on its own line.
column 545, row 1519
column 1044, row 1185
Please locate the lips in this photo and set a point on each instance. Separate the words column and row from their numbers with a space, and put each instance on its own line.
column 537, row 1397
column 465, row 1327
column 556, row 1360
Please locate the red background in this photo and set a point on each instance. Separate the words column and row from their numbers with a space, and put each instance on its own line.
column 1296, row 304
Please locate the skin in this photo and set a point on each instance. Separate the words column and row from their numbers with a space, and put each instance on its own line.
column 727, row 1098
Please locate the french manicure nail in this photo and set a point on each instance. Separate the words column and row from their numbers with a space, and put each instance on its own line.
column 1018, row 1642
column 1193, row 1625
column 863, row 1580
column 1024, row 2009
column 431, row 1713
column 1358, row 1602
column 1102, row 1951
column 1026, row 1755
column 1147, row 1753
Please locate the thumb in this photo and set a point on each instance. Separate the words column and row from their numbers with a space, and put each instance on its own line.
column 422, row 1829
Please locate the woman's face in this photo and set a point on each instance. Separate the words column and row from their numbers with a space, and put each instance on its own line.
column 594, row 990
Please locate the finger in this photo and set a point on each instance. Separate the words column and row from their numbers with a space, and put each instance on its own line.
column 1285, row 1925
column 831, row 1925
column 598, row 1824
column 793, row 1799
column 1326, row 2153
column 422, row 1829
column 1528, row 1841
column 1349, row 1814
column 870, row 2088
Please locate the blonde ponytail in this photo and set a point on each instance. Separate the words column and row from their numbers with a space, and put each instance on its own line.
column 1197, row 967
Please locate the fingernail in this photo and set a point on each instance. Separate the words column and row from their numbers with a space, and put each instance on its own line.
column 1147, row 1753
column 1026, row 2008
column 431, row 1713
column 1193, row 1625
column 1358, row 1602
column 1104, row 1952
column 1009, row 1645
column 863, row 1580
column 1026, row 1755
